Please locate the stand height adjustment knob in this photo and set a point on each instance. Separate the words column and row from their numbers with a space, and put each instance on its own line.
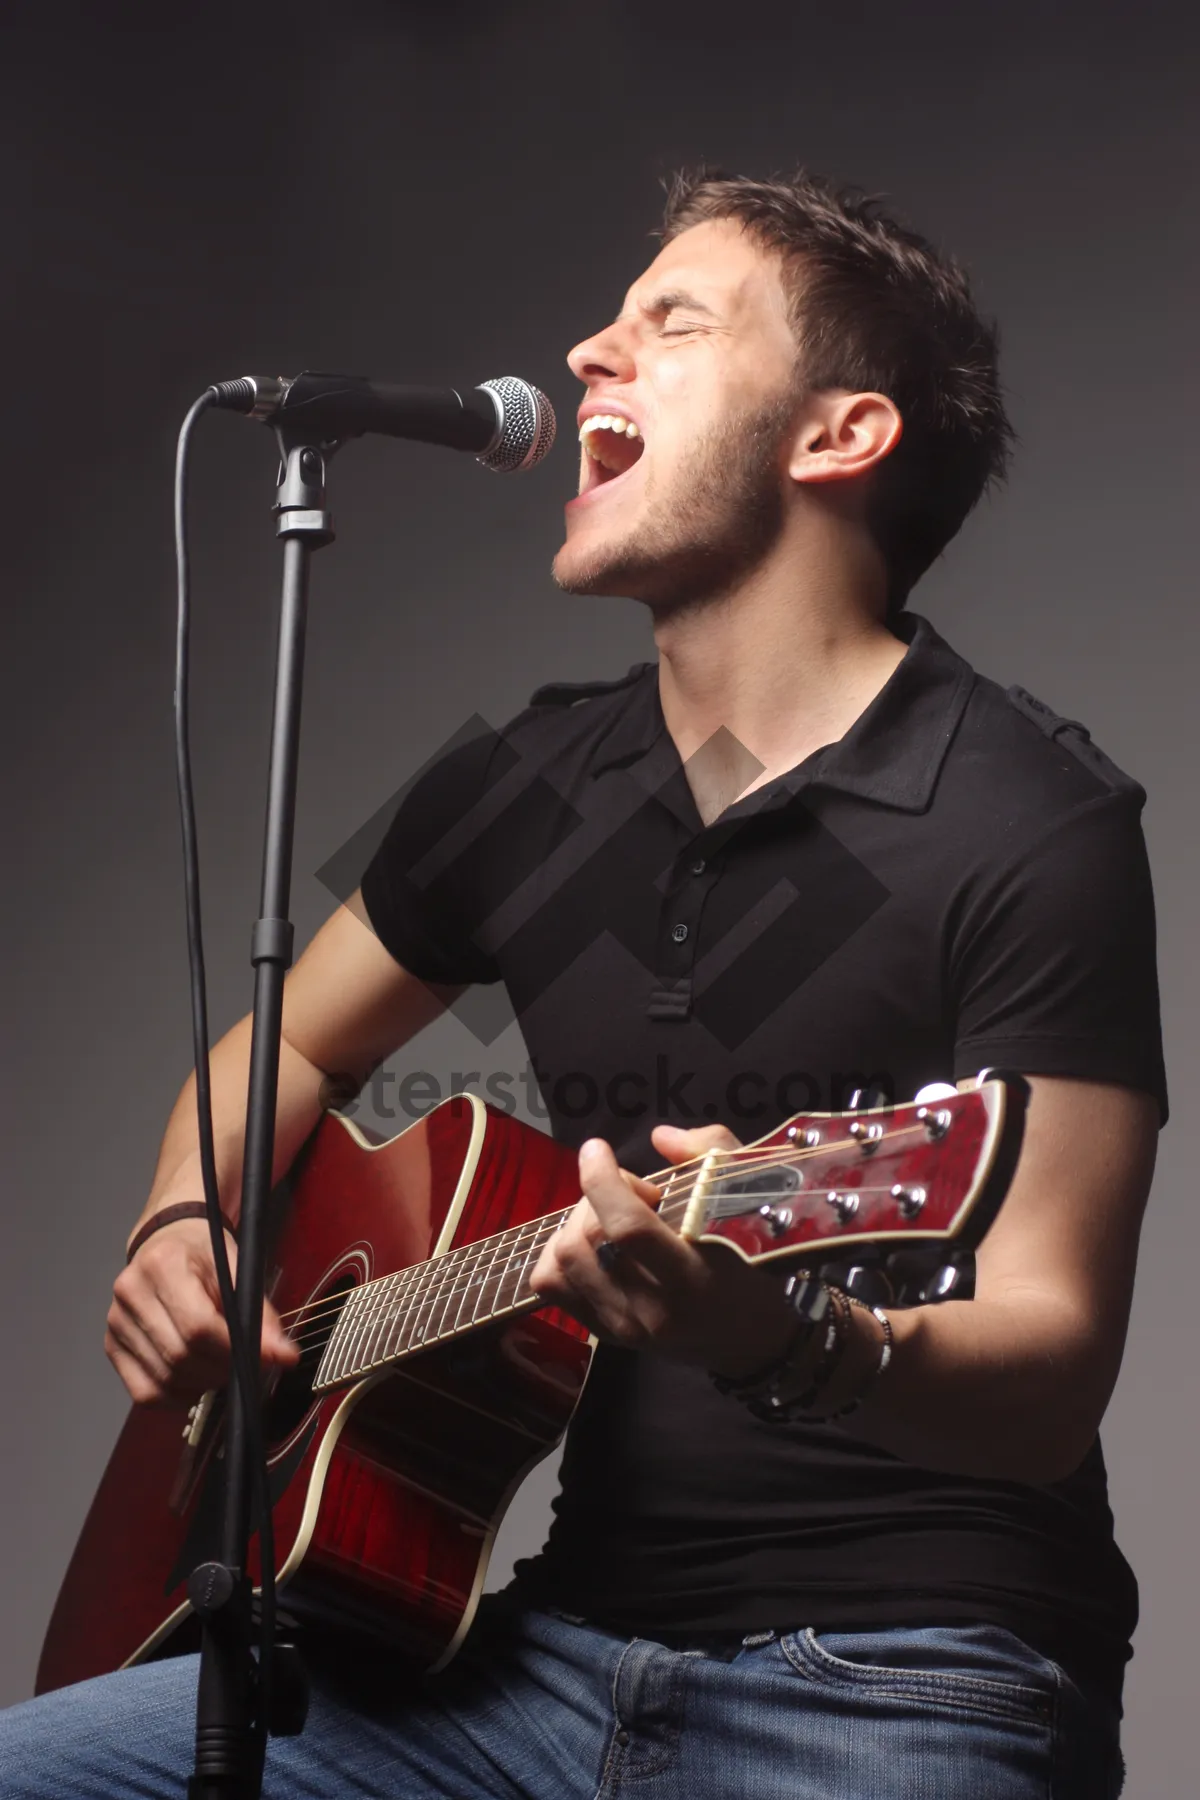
column 210, row 1588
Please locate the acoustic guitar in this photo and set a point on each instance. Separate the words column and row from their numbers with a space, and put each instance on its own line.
column 432, row 1378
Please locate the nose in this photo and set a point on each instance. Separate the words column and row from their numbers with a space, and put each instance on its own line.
column 604, row 357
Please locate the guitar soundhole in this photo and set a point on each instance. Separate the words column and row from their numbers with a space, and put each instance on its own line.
column 292, row 1399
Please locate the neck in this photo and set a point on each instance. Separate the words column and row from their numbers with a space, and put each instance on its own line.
column 767, row 673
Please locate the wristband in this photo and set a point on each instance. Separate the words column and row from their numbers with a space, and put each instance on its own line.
column 786, row 1388
column 170, row 1215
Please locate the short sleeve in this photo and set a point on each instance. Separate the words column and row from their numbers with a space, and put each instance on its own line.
column 425, row 889
column 1053, row 969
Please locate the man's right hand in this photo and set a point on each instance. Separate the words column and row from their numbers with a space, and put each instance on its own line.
column 347, row 1004
column 166, row 1334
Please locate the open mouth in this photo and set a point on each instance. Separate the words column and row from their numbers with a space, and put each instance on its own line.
column 611, row 446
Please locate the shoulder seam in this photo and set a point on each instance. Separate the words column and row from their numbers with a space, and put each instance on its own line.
column 1075, row 738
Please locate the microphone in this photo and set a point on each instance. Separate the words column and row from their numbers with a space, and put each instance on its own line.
column 508, row 423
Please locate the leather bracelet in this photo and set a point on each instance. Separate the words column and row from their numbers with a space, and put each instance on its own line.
column 170, row 1215
column 769, row 1393
column 751, row 1390
column 809, row 1300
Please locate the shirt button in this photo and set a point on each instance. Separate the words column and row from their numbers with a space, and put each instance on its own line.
column 699, row 866
column 679, row 933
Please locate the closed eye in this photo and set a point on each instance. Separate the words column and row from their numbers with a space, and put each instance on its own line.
column 667, row 308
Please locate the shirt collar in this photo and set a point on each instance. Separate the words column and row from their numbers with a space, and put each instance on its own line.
column 892, row 754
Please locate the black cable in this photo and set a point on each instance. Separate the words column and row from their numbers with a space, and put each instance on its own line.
column 245, row 1366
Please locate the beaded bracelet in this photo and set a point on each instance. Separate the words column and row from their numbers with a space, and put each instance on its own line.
column 885, row 1357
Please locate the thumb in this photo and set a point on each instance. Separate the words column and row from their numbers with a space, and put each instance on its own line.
column 277, row 1346
column 678, row 1145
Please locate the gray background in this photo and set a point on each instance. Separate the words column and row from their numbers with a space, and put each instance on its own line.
column 445, row 193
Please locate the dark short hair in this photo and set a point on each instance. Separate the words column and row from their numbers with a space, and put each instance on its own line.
column 876, row 308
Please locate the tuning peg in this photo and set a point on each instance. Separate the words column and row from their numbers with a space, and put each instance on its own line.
column 865, row 1278
column 935, row 1090
column 954, row 1280
column 866, row 1136
column 807, row 1295
column 868, row 1098
column 868, row 1283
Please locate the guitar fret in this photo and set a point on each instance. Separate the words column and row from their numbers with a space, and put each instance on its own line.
column 511, row 1276
column 431, row 1283
column 389, row 1318
column 481, row 1289
column 512, row 1243
column 411, row 1302
column 513, row 1250
column 468, row 1285
column 445, row 1289
column 470, row 1288
column 540, row 1239
column 392, row 1338
column 364, row 1347
column 367, row 1300
column 456, row 1288
column 381, row 1319
column 343, row 1332
column 362, row 1303
column 427, row 1303
column 377, row 1347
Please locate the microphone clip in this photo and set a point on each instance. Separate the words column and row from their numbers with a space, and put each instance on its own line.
column 300, row 506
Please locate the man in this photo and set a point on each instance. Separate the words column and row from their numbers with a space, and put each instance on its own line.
column 811, row 842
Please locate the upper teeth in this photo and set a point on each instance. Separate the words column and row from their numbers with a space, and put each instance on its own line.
column 608, row 422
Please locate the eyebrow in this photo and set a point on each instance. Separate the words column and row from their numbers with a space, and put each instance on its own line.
column 673, row 297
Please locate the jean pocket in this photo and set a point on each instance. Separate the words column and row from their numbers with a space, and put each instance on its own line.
column 978, row 1669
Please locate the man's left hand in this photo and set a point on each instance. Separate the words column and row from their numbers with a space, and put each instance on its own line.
column 654, row 1290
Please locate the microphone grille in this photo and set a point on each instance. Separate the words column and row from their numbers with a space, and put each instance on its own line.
column 526, row 429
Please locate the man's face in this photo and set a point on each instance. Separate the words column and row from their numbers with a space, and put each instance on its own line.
column 700, row 370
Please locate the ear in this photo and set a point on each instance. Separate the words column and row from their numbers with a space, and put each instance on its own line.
column 843, row 435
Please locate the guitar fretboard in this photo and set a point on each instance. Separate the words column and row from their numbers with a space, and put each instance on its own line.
column 390, row 1318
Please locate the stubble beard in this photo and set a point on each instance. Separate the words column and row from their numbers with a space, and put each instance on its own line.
column 696, row 540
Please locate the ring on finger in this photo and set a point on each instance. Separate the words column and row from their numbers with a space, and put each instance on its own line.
column 607, row 1255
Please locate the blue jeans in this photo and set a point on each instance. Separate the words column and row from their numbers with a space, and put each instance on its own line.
column 539, row 1707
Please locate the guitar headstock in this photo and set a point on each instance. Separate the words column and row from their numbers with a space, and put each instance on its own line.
column 897, row 1185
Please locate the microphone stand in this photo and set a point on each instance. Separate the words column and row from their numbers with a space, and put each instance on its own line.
column 233, row 1714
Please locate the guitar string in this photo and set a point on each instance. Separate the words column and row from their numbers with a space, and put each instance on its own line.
column 387, row 1300
column 464, row 1279
column 669, row 1202
column 455, row 1262
column 769, row 1157
column 402, row 1314
column 460, row 1271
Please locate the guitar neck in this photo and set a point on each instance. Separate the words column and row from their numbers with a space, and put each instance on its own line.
column 391, row 1318
column 822, row 1186
column 395, row 1316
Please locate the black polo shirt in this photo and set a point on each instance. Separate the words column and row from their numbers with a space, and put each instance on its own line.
column 959, row 881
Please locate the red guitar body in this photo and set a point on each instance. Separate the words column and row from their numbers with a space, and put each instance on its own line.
column 388, row 1493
